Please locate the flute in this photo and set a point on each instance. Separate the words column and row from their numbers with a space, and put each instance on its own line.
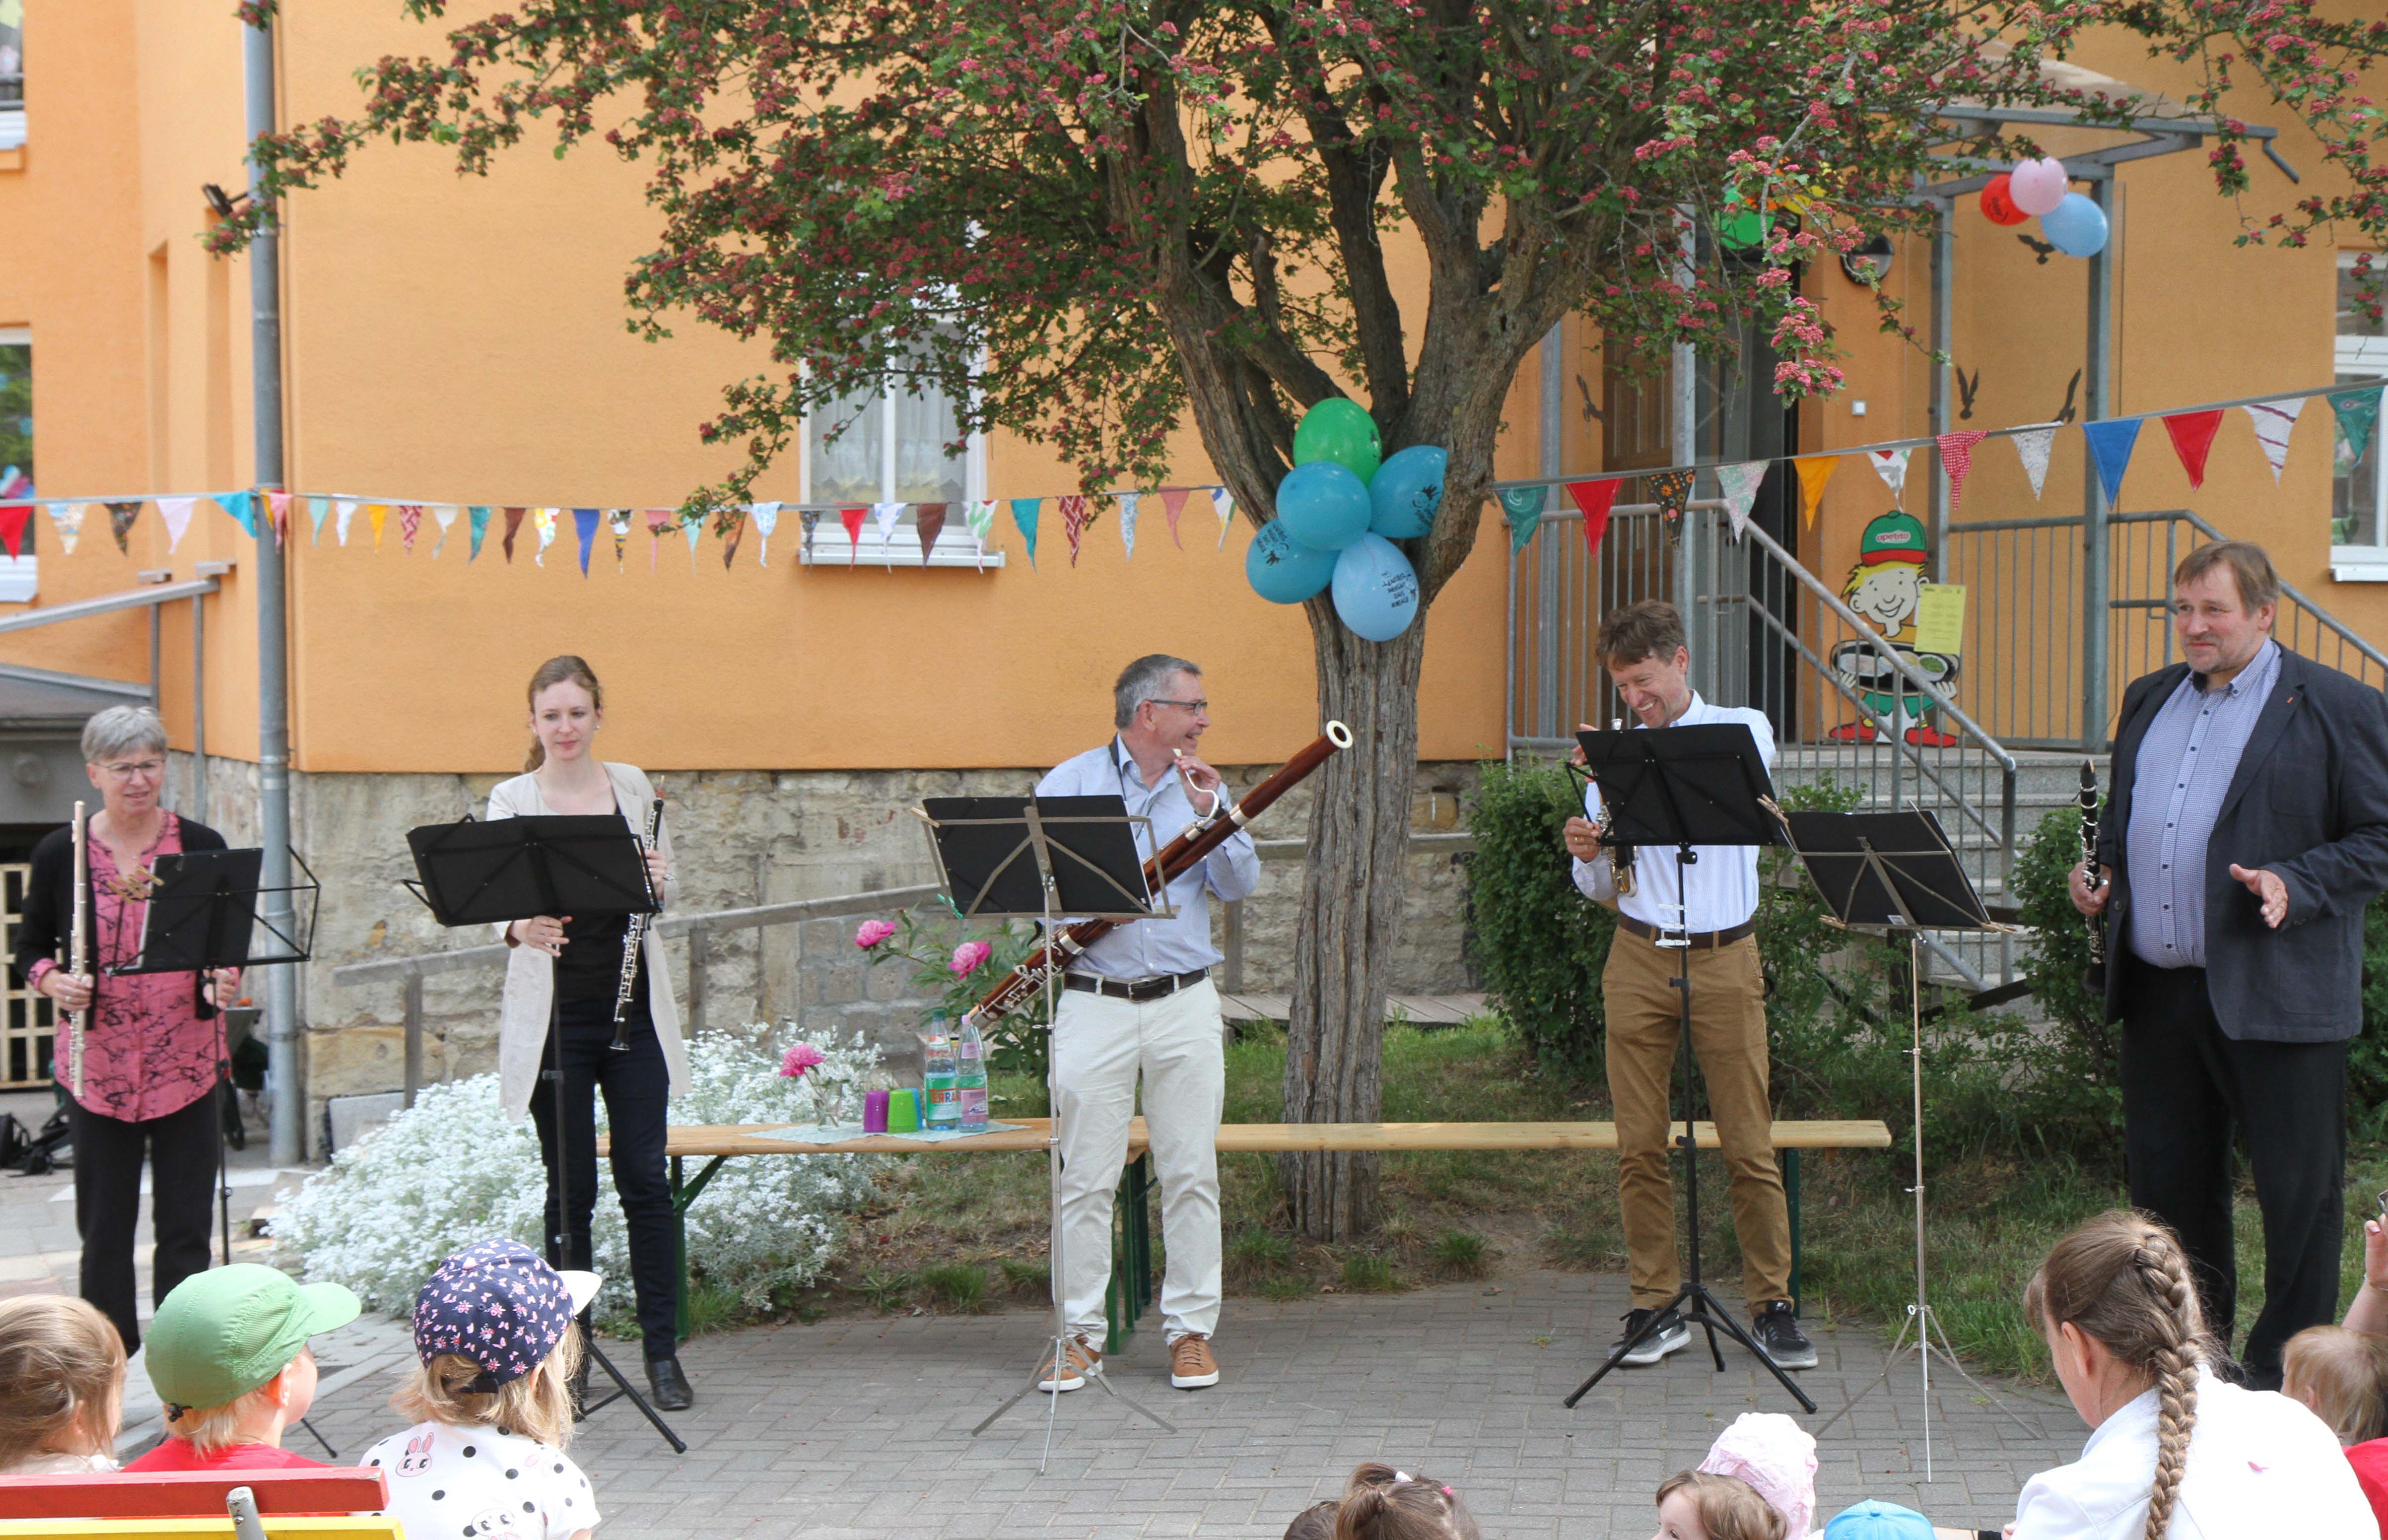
column 632, row 934
column 1173, row 861
column 2094, row 976
column 79, row 944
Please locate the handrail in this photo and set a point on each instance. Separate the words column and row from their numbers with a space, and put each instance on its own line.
column 108, row 603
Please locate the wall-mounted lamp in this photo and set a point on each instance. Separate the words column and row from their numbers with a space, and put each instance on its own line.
column 1869, row 264
column 222, row 204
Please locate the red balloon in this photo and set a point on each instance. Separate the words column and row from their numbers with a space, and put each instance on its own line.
column 1998, row 204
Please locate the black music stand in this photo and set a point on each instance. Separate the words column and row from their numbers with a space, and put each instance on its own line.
column 1895, row 874
column 1683, row 786
column 1041, row 859
column 492, row 873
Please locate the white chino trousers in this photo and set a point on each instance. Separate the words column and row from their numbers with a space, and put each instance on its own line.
column 1100, row 1046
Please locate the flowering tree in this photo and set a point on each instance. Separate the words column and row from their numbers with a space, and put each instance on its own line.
column 1087, row 219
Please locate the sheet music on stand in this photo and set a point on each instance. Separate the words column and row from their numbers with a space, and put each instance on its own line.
column 202, row 912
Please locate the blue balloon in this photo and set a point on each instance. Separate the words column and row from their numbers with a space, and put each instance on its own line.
column 2076, row 226
column 1283, row 570
column 1405, row 492
column 1376, row 591
column 1323, row 504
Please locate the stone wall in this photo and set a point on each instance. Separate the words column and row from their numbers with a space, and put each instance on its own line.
column 740, row 838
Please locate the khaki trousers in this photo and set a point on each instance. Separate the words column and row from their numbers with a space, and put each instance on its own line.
column 1728, row 1036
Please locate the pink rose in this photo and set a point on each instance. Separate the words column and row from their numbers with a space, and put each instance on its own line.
column 967, row 957
column 800, row 1058
column 873, row 932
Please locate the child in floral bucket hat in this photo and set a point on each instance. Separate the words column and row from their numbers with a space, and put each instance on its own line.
column 485, row 1458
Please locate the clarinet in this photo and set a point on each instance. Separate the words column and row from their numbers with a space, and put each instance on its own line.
column 79, row 943
column 2093, row 977
column 632, row 936
column 1621, row 857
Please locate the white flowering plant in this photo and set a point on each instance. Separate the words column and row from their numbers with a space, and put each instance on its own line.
column 453, row 1169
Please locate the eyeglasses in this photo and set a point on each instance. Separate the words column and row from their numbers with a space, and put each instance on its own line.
column 127, row 770
column 1197, row 706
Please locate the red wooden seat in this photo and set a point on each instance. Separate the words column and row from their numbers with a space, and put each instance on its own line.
column 192, row 1494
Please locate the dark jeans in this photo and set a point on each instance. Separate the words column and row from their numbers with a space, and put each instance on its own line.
column 2186, row 1086
column 181, row 1148
column 636, row 1084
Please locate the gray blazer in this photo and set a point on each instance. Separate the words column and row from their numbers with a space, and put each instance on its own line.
column 2309, row 801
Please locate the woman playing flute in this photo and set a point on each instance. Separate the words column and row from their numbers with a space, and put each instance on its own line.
column 579, row 965
column 150, row 1043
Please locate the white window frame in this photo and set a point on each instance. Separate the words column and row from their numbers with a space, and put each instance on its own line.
column 956, row 546
column 20, row 577
column 2354, row 359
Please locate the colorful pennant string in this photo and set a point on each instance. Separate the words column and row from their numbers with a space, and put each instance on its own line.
column 2358, row 414
column 1173, row 502
column 1672, row 490
column 410, row 522
column 584, row 527
column 1224, row 502
column 1739, row 484
column 2110, row 447
column 1023, row 519
column 1076, row 516
column 929, row 522
column 1593, row 499
column 174, row 513
column 1814, row 471
column 1957, row 459
column 2192, row 438
column 2033, row 445
column 1127, row 505
column 478, row 519
column 514, row 527
column 766, row 519
column 852, row 518
column 2274, row 422
column 12, row 528
column 1891, row 466
column 1524, row 506
column 120, row 523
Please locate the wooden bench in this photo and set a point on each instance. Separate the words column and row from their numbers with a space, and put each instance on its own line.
column 1131, row 1290
column 145, row 1505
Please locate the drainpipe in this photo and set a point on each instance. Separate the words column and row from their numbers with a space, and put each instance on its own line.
column 1548, row 553
column 1944, row 340
column 272, row 661
column 2097, row 402
column 1684, row 381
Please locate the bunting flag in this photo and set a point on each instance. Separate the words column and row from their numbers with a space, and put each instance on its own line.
column 1173, row 502
column 618, row 523
column 346, row 507
column 2192, row 436
column 478, row 519
column 67, row 519
column 693, row 528
column 12, row 528
column 1739, row 484
column 584, row 524
column 2357, row 413
column 1670, row 490
column 1127, row 501
column 1023, row 519
column 410, row 522
column 1891, row 466
column 2274, row 422
column 175, row 513
column 2032, row 444
column 120, row 523
column 513, row 526
column 1224, row 502
column 930, row 522
column 318, row 510
column 852, row 518
column 736, row 518
column 1076, row 517
column 242, row 506
column 1814, row 471
column 767, row 519
column 278, row 507
column 376, row 513
column 658, row 520
column 981, row 519
column 2110, row 446
column 443, row 515
column 887, row 515
column 811, row 520
column 1957, row 459
column 1594, row 498
column 1524, row 506
column 542, row 524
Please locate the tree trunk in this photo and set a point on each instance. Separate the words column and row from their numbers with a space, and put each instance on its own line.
column 1350, row 917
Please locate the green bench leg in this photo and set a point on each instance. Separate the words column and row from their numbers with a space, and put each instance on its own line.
column 1791, row 1202
column 1129, row 1292
column 683, row 1193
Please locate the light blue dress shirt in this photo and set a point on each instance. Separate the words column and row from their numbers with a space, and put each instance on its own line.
column 2186, row 761
column 1147, row 948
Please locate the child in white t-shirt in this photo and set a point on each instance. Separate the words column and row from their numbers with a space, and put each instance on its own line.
column 493, row 1327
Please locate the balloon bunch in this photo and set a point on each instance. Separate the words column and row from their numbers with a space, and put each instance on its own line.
column 2074, row 224
column 1339, row 511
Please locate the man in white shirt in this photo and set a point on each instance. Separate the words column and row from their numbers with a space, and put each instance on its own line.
column 1710, row 935
column 1139, row 1002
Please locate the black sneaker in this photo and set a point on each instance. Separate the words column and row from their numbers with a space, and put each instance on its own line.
column 1779, row 1337
column 1668, row 1334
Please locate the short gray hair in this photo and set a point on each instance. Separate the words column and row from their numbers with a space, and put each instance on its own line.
column 122, row 730
column 1144, row 681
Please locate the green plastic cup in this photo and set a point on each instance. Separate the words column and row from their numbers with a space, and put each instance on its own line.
column 903, row 1110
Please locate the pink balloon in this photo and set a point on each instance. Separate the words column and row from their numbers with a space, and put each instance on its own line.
column 2036, row 186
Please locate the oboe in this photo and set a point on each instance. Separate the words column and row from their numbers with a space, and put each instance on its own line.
column 79, row 944
column 2094, row 976
column 632, row 934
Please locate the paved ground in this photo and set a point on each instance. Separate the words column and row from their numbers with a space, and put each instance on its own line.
column 860, row 1430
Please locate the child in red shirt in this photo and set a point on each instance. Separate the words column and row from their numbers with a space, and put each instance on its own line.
column 228, row 1354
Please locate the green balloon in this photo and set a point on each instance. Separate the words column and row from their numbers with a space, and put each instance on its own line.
column 1340, row 428
column 1743, row 230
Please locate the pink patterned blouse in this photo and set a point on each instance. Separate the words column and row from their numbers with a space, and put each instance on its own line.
column 145, row 1050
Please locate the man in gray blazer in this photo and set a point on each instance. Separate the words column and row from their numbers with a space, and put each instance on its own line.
column 2245, row 831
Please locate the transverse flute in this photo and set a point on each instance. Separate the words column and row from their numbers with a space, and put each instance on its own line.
column 632, row 934
column 79, row 944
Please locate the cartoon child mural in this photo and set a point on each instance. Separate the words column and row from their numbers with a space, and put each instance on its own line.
column 1886, row 588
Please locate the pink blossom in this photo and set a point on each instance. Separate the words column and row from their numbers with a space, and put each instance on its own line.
column 968, row 957
column 800, row 1058
column 873, row 932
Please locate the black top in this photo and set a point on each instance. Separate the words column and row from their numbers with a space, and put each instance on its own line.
column 49, row 904
column 589, row 967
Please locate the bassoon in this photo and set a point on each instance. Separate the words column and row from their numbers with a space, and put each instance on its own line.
column 2093, row 977
column 1172, row 862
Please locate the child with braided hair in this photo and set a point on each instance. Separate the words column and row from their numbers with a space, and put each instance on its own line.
column 1381, row 1503
column 2175, row 1452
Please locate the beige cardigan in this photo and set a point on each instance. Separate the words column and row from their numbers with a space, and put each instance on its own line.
column 530, row 973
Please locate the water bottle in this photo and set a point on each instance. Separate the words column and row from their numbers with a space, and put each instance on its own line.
column 970, row 1051
column 938, row 1089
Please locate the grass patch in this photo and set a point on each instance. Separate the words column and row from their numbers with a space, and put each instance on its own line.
column 1463, row 1252
column 955, row 1287
column 1368, row 1273
column 885, row 1291
column 1023, row 1275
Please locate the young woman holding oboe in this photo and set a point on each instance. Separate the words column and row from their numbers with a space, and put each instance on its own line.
column 617, row 1024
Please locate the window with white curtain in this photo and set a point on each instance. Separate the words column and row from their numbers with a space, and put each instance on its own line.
column 885, row 446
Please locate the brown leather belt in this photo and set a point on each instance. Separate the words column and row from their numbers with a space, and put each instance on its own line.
column 1699, row 940
column 1136, row 990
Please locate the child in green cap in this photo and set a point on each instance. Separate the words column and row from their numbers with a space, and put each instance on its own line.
column 228, row 1354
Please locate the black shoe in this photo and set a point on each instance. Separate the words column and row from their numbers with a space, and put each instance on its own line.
column 1665, row 1337
column 1779, row 1337
column 671, row 1386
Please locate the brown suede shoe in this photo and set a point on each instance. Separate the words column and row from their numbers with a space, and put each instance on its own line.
column 1190, row 1365
column 1081, row 1360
